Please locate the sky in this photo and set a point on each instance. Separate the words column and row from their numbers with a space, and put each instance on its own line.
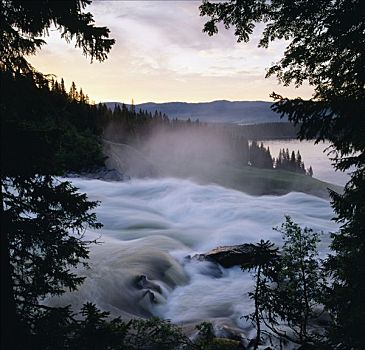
column 162, row 55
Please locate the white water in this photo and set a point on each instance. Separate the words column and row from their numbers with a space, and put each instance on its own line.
column 151, row 225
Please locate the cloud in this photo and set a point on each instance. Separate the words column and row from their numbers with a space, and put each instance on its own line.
column 162, row 54
column 168, row 35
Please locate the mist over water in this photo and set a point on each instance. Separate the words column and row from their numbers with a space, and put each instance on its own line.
column 150, row 226
column 217, row 154
column 192, row 150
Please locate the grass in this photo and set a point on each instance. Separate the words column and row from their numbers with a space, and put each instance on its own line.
column 257, row 181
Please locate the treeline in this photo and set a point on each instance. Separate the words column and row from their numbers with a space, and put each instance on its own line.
column 292, row 163
column 126, row 125
column 267, row 131
column 40, row 118
column 260, row 157
column 65, row 127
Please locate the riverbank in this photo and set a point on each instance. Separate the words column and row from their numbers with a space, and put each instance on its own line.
column 255, row 181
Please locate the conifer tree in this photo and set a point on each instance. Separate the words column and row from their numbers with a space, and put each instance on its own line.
column 73, row 94
column 62, row 86
column 264, row 261
column 325, row 48
column 81, row 96
column 37, row 251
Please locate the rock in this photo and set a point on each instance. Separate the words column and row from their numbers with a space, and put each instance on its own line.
column 102, row 173
column 228, row 256
column 110, row 175
column 226, row 328
column 142, row 282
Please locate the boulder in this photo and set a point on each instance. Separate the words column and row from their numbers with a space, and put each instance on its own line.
column 228, row 256
column 142, row 282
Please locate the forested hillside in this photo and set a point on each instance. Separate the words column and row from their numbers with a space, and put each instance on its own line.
column 236, row 112
column 126, row 125
column 60, row 130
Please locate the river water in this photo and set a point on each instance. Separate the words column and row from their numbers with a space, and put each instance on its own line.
column 152, row 225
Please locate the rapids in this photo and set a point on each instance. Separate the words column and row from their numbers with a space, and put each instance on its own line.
column 150, row 226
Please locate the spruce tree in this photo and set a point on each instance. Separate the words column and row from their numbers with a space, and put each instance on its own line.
column 288, row 287
column 38, row 210
column 325, row 47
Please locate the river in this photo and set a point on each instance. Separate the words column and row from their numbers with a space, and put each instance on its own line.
column 152, row 225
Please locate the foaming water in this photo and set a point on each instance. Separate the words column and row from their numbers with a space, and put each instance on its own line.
column 150, row 226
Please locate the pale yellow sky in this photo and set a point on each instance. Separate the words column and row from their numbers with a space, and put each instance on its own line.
column 162, row 55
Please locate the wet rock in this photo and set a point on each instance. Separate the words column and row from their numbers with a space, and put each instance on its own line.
column 226, row 328
column 102, row 173
column 142, row 282
column 228, row 256
column 111, row 175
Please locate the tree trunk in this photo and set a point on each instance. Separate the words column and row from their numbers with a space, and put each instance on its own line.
column 257, row 315
column 10, row 337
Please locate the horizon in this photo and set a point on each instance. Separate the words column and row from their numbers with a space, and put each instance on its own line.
column 199, row 102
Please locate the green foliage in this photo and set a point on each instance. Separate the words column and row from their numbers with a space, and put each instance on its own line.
column 24, row 23
column 289, row 287
column 46, row 131
column 38, row 214
column 260, row 157
column 155, row 333
column 300, row 281
column 92, row 329
column 325, row 48
column 60, row 328
column 205, row 336
column 264, row 263
column 347, row 266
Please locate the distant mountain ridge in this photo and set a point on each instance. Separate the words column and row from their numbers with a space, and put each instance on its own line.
column 236, row 112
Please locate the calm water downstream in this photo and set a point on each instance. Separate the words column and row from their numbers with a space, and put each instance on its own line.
column 314, row 155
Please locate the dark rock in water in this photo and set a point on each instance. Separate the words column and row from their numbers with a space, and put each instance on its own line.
column 111, row 175
column 149, row 293
column 225, row 328
column 228, row 256
column 101, row 174
column 142, row 282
